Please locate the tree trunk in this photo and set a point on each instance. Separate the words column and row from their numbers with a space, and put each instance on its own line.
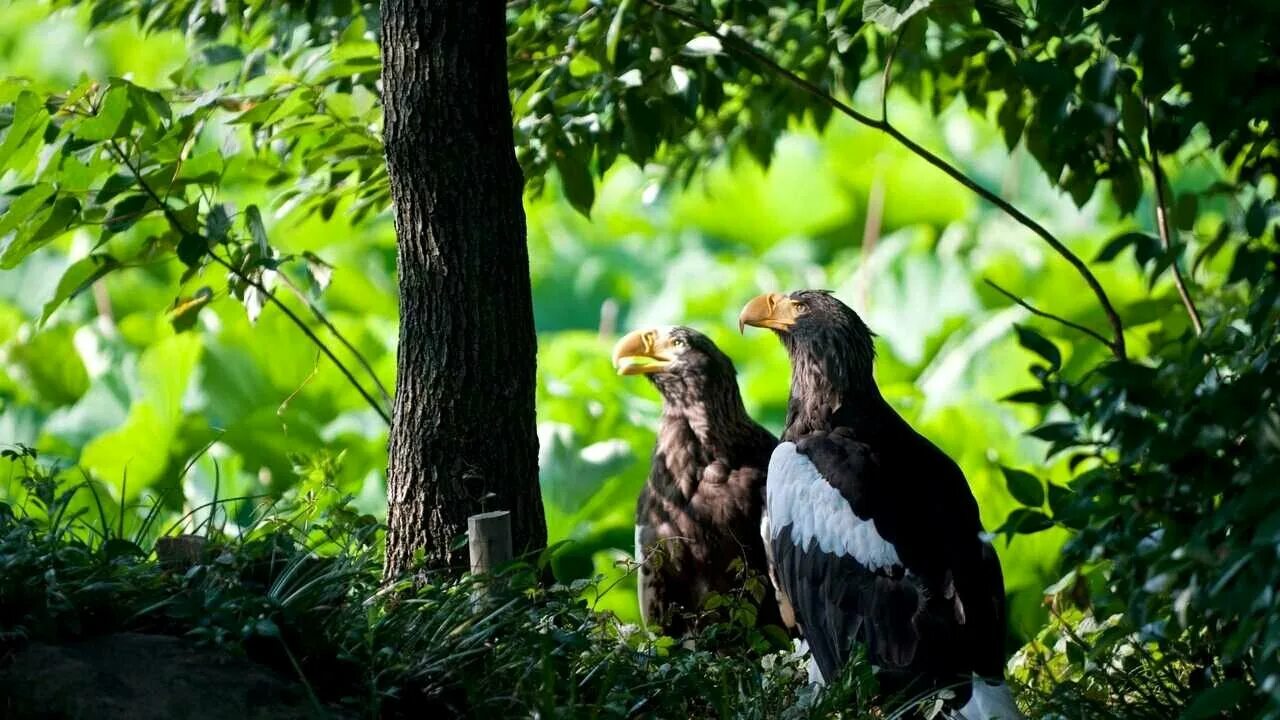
column 463, row 437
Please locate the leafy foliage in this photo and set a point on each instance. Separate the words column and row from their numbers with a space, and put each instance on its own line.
column 1173, row 511
column 301, row 592
column 145, row 219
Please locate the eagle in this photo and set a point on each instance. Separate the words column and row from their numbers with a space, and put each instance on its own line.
column 702, row 505
column 873, row 529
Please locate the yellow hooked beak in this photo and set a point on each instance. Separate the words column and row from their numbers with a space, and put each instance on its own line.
column 771, row 310
column 643, row 352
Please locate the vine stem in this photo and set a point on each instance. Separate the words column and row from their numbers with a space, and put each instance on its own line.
column 1162, row 226
column 173, row 220
column 1116, row 343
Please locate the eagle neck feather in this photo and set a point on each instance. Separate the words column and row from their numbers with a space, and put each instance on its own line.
column 832, row 384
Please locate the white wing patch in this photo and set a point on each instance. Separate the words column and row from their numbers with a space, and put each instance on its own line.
column 990, row 701
column 642, row 583
column 799, row 496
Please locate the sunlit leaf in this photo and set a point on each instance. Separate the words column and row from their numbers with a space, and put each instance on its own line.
column 77, row 279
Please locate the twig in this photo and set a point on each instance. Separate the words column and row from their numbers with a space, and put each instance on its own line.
column 324, row 320
column 1116, row 343
column 1162, row 225
column 177, row 225
column 1050, row 316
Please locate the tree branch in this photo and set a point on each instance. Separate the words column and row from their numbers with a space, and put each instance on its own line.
column 1050, row 316
column 1162, row 225
column 1116, row 343
column 173, row 220
column 324, row 320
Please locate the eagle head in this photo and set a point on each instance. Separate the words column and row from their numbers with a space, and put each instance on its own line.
column 821, row 334
column 682, row 362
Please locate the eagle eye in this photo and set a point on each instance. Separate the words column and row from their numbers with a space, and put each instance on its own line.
column 801, row 308
column 677, row 342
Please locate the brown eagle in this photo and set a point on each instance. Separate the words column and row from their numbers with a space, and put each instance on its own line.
column 873, row 529
column 701, row 507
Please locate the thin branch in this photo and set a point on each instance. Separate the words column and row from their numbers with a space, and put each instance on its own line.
column 1162, row 225
column 324, row 320
column 1116, row 344
column 177, row 225
column 1049, row 316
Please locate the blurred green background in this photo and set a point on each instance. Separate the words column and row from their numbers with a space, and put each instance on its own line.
column 107, row 385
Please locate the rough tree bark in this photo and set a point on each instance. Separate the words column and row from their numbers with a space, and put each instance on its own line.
column 463, row 437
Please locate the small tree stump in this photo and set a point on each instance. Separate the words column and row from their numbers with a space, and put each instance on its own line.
column 489, row 539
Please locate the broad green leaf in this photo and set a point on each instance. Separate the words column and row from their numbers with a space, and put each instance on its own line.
column 1024, row 487
column 1025, row 522
column 77, row 279
column 579, row 187
column 114, row 185
column 51, row 365
column 140, row 448
column 192, row 248
column 29, row 120
column 1055, row 432
column 1040, row 345
column 127, row 212
column 205, row 168
column 112, row 120
column 26, row 204
column 891, row 14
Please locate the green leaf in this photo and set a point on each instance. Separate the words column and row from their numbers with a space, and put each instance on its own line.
column 191, row 249
column 1004, row 17
column 253, row 223
column 1185, row 211
column 1023, row 521
column 29, row 120
column 579, row 188
column 1040, row 345
column 1119, row 243
column 114, row 185
column 52, row 365
column 1126, row 187
column 891, row 14
column 112, row 119
column 203, row 169
column 1037, row 396
column 615, row 32
column 1055, row 432
column 141, row 446
column 77, row 279
column 24, row 207
column 1058, row 498
column 1023, row 486
column 259, row 113
column 127, row 212
column 1255, row 218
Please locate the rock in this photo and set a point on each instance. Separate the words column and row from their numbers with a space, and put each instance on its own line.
column 180, row 552
column 131, row 676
